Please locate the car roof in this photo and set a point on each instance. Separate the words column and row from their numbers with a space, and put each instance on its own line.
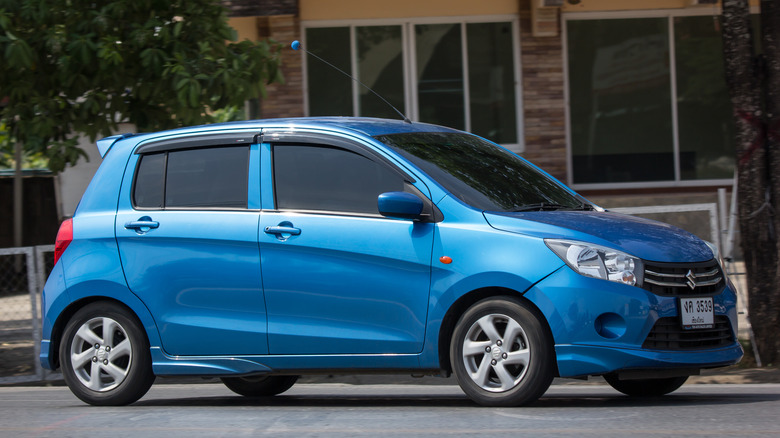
column 349, row 125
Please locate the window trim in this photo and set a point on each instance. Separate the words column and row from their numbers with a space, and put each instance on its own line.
column 669, row 15
column 199, row 141
column 411, row 104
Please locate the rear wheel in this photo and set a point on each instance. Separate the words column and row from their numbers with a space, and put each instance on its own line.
column 646, row 387
column 104, row 355
column 259, row 386
column 501, row 353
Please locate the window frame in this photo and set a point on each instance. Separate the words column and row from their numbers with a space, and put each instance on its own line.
column 411, row 104
column 669, row 15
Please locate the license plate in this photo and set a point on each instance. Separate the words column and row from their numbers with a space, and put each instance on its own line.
column 697, row 313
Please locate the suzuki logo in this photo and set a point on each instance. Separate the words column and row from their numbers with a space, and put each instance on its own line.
column 691, row 279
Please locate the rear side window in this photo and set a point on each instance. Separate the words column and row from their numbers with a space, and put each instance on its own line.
column 330, row 179
column 150, row 181
column 193, row 178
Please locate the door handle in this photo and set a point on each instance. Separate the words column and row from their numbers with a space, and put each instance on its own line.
column 283, row 231
column 142, row 225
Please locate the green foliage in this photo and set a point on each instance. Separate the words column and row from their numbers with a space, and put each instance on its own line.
column 80, row 67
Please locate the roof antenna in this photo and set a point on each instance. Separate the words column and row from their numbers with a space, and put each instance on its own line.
column 296, row 45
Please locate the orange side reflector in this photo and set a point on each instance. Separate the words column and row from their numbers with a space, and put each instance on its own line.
column 446, row 260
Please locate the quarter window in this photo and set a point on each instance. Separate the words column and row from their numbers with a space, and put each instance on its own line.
column 195, row 178
column 330, row 179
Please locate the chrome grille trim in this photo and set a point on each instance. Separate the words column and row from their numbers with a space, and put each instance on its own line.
column 701, row 274
column 683, row 279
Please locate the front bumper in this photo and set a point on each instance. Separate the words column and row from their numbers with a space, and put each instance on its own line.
column 600, row 326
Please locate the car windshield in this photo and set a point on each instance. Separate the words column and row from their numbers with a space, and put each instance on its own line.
column 481, row 174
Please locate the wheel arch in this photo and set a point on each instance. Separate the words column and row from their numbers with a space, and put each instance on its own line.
column 462, row 304
column 67, row 313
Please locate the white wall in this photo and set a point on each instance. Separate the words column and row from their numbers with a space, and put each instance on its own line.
column 73, row 181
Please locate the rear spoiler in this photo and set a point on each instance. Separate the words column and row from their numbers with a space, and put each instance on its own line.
column 104, row 144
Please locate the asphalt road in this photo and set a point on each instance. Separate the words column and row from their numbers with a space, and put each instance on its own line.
column 339, row 410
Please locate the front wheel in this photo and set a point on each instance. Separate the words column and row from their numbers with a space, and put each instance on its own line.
column 104, row 355
column 646, row 387
column 259, row 386
column 501, row 353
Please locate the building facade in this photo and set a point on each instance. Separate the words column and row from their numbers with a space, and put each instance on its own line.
column 613, row 97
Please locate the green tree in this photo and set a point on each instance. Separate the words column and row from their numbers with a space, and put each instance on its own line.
column 754, row 86
column 72, row 67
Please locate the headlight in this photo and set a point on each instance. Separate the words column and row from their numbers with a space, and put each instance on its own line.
column 599, row 261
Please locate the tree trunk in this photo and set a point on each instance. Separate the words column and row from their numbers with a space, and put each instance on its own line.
column 769, row 312
column 758, row 179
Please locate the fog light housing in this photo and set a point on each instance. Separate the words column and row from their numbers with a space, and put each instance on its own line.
column 610, row 325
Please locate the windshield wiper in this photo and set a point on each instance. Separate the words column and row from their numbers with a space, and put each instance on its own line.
column 542, row 206
column 550, row 206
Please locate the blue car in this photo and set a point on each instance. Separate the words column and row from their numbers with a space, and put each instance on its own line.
column 260, row 251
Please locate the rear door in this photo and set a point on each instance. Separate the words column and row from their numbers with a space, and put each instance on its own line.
column 338, row 277
column 186, row 228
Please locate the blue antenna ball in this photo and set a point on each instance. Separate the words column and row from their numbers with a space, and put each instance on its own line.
column 295, row 45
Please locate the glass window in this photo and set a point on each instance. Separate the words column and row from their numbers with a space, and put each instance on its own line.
column 380, row 66
column 706, row 124
column 330, row 92
column 150, row 182
column 210, row 177
column 440, row 74
column 330, row 179
column 620, row 97
column 438, row 70
column 492, row 81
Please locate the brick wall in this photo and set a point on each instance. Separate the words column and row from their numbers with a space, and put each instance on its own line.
column 544, row 107
column 284, row 100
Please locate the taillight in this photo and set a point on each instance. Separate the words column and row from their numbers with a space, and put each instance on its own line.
column 64, row 237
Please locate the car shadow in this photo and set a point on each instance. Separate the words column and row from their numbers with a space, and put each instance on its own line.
column 559, row 399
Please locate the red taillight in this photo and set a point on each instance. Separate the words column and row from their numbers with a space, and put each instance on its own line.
column 64, row 237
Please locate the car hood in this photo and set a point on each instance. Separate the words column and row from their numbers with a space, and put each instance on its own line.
column 643, row 238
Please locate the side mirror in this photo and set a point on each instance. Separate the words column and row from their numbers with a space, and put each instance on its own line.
column 400, row 205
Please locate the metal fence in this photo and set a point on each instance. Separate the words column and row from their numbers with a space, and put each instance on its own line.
column 22, row 274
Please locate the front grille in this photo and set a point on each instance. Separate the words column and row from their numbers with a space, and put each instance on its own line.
column 683, row 279
column 668, row 334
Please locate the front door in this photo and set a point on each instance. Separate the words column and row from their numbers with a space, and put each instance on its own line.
column 338, row 277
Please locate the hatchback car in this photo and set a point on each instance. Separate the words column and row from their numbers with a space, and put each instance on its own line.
column 260, row 251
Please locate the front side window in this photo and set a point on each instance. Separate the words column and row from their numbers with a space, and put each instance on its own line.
column 194, row 178
column 330, row 179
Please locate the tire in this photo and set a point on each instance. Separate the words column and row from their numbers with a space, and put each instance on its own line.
column 645, row 387
column 501, row 353
column 104, row 355
column 259, row 386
